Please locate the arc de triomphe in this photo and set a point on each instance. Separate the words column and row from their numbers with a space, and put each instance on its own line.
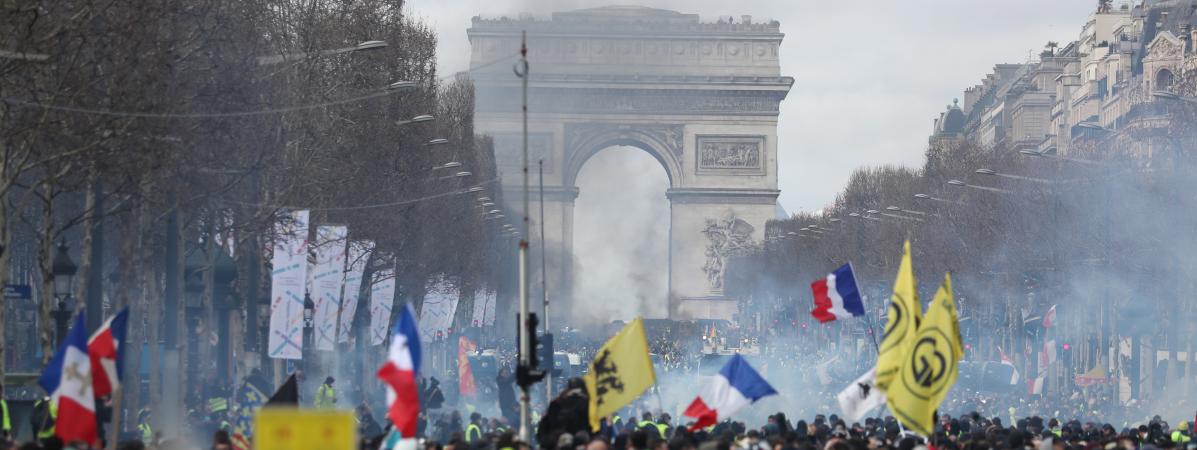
column 701, row 98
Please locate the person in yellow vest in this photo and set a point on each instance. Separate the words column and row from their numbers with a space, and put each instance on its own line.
column 663, row 425
column 1181, row 435
column 646, row 423
column 143, row 426
column 45, row 413
column 326, row 396
column 474, row 429
column 1054, row 426
column 5, row 418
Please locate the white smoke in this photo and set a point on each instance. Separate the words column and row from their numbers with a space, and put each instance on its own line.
column 621, row 238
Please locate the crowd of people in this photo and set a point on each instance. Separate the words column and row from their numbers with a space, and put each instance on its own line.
column 489, row 420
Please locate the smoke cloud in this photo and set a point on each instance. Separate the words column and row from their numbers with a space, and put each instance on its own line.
column 621, row 237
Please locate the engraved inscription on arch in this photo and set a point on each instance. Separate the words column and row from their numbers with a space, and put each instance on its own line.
column 731, row 155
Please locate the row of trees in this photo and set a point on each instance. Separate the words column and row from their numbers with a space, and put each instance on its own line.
column 178, row 132
column 1105, row 232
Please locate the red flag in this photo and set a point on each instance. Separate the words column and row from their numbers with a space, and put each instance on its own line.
column 465, row 374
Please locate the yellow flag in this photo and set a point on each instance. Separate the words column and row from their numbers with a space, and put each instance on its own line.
column 930, row 367
column 620, row 372
column 905, row 312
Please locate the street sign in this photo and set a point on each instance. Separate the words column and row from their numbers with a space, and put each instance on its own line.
column 18, row 292
column 304, row 429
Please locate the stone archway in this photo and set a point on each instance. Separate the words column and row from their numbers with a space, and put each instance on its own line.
column 701, row 98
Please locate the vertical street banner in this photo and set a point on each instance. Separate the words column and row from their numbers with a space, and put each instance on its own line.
column 478, row 318
column 440, row 302
column 382, row 302
column 328, row 275
column 287, row 279
column 488, row 311
column 359, row 255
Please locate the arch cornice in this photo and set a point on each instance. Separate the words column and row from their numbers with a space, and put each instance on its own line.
column 663, row 141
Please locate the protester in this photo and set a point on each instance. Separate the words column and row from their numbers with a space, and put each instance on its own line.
column 569, row 413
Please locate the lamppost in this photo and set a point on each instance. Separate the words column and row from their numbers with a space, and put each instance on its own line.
column 309, row 325
column 63, row 270
column 223, row 303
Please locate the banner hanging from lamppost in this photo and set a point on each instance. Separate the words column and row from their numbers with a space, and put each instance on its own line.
column 287, row 280
column 484, row 308
column 359, row 255
column 436, row 314
column 382, row 301
column 326, row 282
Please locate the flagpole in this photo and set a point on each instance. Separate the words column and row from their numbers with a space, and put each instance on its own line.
column 116, row 417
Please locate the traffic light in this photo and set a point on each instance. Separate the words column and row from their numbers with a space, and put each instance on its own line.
column 528, row 375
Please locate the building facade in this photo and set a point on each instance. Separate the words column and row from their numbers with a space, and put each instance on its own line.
column 1081, row 91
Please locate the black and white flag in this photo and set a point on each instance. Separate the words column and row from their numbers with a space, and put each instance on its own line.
column 860, row 397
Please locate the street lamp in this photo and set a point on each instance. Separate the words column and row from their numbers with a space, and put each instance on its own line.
column 362, row 46
column 416, row 119
column 958, row 183
column 64, row 271
column 448, row 165
column 440, row 141
column 907, row 211
column 402, row 85
column 992, row 173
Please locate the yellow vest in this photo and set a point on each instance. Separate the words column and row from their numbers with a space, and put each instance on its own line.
column 7, row 422
column 49, row 431
column 472, row 431
column 1180, row 438
column 326, row 397
column 218, row 404
column 147, row 433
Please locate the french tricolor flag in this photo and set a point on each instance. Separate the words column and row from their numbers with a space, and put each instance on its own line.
column 68, row 381
column 105, row 350
column 837, row 297
column 400, row 372
column 736, row 386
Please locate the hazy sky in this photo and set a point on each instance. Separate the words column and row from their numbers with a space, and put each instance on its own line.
column 869, row 75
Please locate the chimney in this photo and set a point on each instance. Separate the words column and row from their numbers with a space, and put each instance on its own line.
column 746, row 19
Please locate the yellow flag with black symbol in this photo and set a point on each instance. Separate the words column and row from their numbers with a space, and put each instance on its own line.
column 905, row 312
column 930, row 367
column 620, row 372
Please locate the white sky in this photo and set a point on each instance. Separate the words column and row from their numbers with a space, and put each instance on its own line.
column 870, row 76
